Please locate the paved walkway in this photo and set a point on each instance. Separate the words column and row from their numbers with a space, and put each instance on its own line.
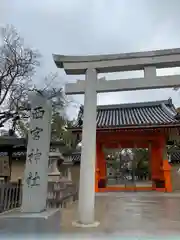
column 130, row 214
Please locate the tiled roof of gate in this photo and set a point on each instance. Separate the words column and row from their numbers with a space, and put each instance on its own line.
column 155, row 113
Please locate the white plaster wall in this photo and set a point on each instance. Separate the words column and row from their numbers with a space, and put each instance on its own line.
column 19, row 166
column 175, row 177
column 75, row 171
column 17, row 170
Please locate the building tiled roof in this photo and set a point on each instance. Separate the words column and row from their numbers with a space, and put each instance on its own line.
column 14, row 154
column 174, row 152
column 76, row 157
column 155, row 113
column 175, row 157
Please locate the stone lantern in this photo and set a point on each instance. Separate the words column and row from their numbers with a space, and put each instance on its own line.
column 54, row 157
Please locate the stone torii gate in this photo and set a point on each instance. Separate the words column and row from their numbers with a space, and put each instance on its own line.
column 91, row 66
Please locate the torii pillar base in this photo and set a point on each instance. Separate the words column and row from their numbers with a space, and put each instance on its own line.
column 91, row 225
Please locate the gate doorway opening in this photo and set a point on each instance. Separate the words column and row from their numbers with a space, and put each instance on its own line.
column 128, row 169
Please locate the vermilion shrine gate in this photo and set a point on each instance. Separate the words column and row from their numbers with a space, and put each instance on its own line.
column 139, row 125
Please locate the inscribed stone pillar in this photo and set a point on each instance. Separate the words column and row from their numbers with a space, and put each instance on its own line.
column 36, row 170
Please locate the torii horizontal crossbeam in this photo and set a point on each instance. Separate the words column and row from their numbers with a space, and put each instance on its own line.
column 125, row 84
column 118, row 62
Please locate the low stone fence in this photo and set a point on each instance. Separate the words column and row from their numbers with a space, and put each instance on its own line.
column 59, row 195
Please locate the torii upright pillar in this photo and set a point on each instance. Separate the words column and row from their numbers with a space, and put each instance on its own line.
column 88, row 153
column 76, row 65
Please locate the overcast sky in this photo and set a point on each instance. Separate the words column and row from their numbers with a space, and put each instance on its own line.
column 84, row 27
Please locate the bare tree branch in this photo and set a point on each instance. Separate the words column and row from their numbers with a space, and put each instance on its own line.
column 17, row 66
column 55, row 94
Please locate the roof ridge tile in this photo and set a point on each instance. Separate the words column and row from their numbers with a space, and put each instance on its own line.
column 134, row 105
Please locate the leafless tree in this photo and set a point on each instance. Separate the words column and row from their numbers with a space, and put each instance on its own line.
column 17, row 66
